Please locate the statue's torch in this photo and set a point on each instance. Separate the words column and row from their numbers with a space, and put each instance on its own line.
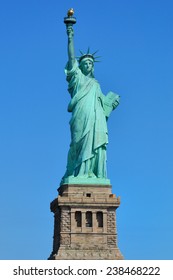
column 70, row 20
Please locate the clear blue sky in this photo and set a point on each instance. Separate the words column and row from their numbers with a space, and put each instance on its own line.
column 135, row 41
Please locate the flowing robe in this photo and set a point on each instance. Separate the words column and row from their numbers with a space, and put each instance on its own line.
column 89, row 135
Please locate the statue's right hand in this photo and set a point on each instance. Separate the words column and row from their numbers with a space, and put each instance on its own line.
column 70, row 32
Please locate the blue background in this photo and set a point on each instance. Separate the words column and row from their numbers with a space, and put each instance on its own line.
column 135, row 42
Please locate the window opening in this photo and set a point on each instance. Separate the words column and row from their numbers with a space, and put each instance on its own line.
column 88, row 219
column 78, row 217
column 99, row 217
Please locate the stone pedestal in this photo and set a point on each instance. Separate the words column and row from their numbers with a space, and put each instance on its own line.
column 85, row 223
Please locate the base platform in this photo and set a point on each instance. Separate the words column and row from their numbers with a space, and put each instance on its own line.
column 85, row 223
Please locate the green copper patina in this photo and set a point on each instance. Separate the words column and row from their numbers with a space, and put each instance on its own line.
column 90, row 110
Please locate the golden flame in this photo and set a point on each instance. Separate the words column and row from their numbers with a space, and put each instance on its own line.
column 70, row 12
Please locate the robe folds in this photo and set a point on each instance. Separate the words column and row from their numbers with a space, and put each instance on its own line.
column 89, row 135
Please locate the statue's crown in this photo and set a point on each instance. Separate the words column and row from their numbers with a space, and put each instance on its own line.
column 88, row 55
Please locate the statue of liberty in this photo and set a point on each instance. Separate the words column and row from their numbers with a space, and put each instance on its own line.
column 90, row 109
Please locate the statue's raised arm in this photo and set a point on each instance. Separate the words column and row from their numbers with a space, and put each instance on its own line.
column 69, row 21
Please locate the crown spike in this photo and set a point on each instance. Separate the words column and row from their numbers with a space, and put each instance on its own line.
column 94, row 53
column 88, row 51
column 81, row 52
column 89, row 55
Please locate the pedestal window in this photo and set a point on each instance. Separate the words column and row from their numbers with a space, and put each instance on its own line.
column 88, row 219
column 78, row 218
column 99, row 217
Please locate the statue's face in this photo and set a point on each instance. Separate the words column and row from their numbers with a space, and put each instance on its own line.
column 87, row 67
